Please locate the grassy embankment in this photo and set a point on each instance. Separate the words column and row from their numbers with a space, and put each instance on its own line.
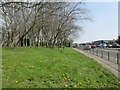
column 25, row 67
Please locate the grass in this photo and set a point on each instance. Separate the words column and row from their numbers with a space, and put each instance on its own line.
column 25, row 67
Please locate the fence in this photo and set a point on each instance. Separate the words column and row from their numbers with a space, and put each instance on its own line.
column 109, row 55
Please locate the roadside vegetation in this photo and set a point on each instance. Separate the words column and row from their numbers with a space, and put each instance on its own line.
column 33, row 67
column 37, row 24
column 29, row 27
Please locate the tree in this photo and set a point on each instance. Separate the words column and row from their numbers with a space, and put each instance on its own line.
column 40, row 23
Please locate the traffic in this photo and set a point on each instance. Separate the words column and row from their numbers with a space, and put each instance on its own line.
column 97, row 44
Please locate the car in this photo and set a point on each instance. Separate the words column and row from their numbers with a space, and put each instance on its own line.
column 115, row 45
column 104, row 45
column 100, row 45
column 93, row 46
column 87, row 47
column 109, row 46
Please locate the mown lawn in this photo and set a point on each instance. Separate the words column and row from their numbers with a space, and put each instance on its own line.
column 25, row 67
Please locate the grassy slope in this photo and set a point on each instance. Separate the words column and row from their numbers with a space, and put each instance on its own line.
column 41, row 67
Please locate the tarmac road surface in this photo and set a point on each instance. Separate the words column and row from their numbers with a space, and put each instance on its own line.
column 103, row 52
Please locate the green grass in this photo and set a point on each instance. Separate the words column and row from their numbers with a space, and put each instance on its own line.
column 25, row 67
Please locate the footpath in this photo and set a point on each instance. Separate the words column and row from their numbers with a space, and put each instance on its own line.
column 112, row 67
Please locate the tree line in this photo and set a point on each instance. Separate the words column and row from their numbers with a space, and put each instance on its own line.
column 37, row 24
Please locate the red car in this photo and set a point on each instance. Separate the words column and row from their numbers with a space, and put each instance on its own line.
column 109, row 46
column 93, row 46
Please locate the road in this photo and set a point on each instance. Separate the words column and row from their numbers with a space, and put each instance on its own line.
column 110, row 50
column 110, row 54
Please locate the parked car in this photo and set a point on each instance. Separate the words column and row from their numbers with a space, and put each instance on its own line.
column 93, row 46
column 109, row 46
column 115, row 45
column 104, row 45
column 100, row 45
column 87, row 47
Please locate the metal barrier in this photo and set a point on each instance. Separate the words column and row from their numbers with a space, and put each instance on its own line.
column 109, row 55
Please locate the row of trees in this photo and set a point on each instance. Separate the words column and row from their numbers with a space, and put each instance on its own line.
column 47, row 24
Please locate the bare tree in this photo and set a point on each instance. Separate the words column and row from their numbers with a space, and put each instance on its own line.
column 40, row 23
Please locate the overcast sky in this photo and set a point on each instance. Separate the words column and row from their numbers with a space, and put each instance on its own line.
column 105, row 24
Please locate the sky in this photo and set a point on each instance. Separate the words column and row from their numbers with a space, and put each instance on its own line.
column 104, row 25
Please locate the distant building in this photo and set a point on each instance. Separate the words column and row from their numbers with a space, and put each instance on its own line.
column 100, row 42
